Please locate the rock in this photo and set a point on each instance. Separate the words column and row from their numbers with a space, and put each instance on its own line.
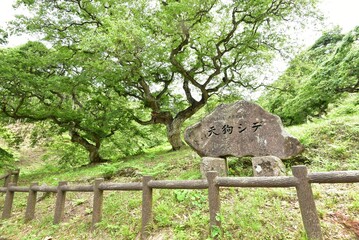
column 268, row 166
column 241, row 129
column 213, row 164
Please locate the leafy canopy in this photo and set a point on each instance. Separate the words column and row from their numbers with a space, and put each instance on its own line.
column 165, row 58
column 41, row 84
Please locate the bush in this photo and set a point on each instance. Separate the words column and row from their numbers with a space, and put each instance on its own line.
column 6, row 159
column 65, row 153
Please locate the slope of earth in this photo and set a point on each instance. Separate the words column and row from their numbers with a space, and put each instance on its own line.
column 332, row 144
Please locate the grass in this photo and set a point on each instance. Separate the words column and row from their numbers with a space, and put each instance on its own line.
column 331, row 144
column 246, row 213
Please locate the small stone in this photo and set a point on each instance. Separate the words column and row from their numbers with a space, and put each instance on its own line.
column 241, row 129
column 268, row 166
column 213, row 164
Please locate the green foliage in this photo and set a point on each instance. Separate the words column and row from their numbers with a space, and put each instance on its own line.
column 155, row 170
column 331, row 144
column 240, row 166
column 127, row 142
column 132, row 140
column 216, row 232
column 316, row 78
column 66, row 154
column 195, row 198
column 109, row 170
column 156, row 62
column 346, row 105
column 7, row 154
column 41, row 84
column 3, row 36
column 259, row 213
column 6, row 159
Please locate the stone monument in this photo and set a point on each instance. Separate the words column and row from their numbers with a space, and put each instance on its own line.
column 243, row 129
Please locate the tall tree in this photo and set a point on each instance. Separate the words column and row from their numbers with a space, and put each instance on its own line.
column 170, row 56
column 40, row 84
column 316, row 77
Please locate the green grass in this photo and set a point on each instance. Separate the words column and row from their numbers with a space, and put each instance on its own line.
column 246, row 213
column 331, row 144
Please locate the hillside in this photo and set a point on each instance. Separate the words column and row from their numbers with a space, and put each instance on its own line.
column 332, row 143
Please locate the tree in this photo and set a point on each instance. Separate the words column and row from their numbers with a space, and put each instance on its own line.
column 41, row 84
column 3, row 36
column 6, row 156
column 169, row 56
column 316, row 77
column 341, row 68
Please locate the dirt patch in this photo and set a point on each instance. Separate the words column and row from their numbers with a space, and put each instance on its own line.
column 351, row 224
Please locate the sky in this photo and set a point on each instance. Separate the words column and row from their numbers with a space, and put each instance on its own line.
column 342, row 12
column 338, row 12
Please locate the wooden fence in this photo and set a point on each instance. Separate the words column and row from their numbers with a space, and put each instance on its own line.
column 301, row 180
column 11, row 174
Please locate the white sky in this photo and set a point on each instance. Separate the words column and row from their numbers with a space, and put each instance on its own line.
column 342, row 12
column 338, row 12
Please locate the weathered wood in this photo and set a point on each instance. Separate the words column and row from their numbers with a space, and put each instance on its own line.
column 7, row 179
column 18, row 189
column 9, row 199
column 16, row 174
column 301, row 181
column 97, row 202
column 307, row 204
column 31, row 204
column 173, row 184
column 4, row 176
column 146, row 206
column 60, row 203
column 136, row 186
column 44, row 188
column 257, row 181
column 334, row 177
column 77, row 188
column 213, row 199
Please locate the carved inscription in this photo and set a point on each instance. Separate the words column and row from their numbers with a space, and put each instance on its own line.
column 241, row 129
column 228, row 129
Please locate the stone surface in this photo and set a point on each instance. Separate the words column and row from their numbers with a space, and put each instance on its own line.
column 268, row 166
column 241, row 129
column 213, row 164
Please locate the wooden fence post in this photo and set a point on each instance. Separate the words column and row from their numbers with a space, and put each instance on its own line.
column 16, row 174
column 9, row 198
column 213, row 199
column 60, row 203
column 306, row 203
column 7, row 179
column 31, row 203
column 97, row 202
column 146, row 206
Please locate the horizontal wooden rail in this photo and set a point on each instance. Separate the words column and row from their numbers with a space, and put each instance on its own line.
column 256, row 181
column 334, row 177
column 136, row 186
column 18, row 189
column 11, row 174
column 174, row 184
column 301, row 180
column 77, row 188
column 4, row 176
column 44, row 188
